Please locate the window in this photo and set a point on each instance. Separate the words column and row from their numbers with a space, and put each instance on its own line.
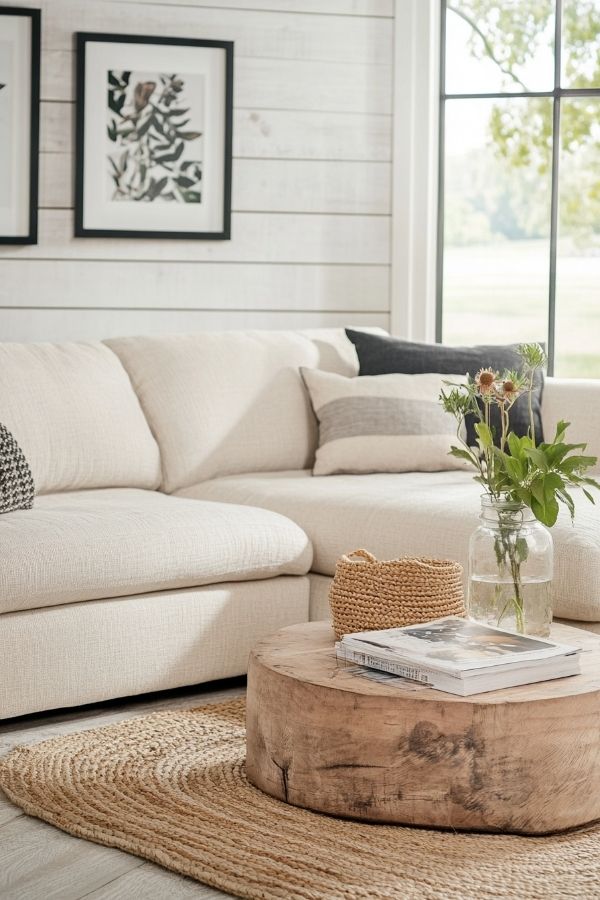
column 519, row 210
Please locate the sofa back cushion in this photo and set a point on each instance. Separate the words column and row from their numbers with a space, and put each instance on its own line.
column 73, row 412
column 220, row 403
column 575, row 400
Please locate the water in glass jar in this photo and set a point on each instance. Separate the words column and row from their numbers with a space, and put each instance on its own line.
column 492, row 602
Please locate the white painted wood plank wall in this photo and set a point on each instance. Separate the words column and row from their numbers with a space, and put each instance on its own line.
column 311, row 181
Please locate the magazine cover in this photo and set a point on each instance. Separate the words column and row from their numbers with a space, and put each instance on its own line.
column 456, row 644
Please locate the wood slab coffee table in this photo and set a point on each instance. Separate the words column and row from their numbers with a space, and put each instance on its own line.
column 524, row 760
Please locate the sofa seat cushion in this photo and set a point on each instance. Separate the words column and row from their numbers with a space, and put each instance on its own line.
column 411, row 514
column 88, row 545
column 87, row 652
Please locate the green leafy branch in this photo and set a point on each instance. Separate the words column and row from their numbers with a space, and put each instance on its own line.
column 510, row 467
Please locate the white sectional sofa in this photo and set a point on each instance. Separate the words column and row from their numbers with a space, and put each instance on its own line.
column 176, row 519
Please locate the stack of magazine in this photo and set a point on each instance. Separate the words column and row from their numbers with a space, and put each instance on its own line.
column 459, row 656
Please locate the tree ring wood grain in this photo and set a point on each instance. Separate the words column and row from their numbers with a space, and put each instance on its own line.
column 524, row 760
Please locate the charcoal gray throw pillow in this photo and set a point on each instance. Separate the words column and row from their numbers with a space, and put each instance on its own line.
column 382, row 354
column 16, row 481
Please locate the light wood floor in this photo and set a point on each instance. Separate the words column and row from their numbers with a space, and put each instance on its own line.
column 39, row 862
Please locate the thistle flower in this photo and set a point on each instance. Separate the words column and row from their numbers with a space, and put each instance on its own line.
column 510, row 387
column 485, row 380
column 509, row 390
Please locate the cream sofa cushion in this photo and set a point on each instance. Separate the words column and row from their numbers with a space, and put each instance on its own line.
column 412, row 514
column 87, row 545
column 576, row 400
column 381, row 423
column 73, row 411
column 86, row 652
column 233, row 401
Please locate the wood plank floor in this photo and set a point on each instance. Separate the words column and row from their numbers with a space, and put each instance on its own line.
column 39, row 862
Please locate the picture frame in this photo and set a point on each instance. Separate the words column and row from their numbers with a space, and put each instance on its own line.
column 154, row 124
column 19, row 123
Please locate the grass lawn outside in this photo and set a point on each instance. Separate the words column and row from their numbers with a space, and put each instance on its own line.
column 498, row 293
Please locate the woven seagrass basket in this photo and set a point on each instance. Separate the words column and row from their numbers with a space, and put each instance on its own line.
column 368, row 594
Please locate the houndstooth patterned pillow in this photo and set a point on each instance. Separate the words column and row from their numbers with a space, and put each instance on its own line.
column 16, row 481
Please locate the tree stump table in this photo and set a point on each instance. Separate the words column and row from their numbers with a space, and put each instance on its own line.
column 523, row 760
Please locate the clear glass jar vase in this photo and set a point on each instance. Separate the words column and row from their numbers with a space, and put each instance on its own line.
column 510, row 569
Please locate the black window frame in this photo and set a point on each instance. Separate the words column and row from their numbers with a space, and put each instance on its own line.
column 556, row 95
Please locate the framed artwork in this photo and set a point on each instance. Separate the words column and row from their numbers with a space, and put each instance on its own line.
column 19, row 123
column 154, row 130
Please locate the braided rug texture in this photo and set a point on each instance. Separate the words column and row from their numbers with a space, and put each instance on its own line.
column 170, row 787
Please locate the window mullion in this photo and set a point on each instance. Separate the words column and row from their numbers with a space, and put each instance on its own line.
column 439, row 311
column 554, row 186
column 553, row 234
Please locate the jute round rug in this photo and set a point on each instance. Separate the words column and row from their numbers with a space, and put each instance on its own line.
column 170, row 787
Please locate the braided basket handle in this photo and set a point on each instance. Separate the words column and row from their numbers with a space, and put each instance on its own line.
column 361, row 554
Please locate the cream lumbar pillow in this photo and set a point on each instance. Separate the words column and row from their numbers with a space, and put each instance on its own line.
column 381, row 423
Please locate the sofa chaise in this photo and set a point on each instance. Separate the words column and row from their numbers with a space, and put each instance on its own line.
column 176, row 520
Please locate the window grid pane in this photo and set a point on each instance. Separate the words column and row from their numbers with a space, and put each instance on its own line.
column 496, row 236
column 498, row 251
column 578, row 245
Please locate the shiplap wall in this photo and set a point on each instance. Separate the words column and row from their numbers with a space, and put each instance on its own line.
column 312, row 153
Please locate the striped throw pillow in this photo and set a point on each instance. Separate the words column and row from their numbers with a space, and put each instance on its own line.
column 381, row 423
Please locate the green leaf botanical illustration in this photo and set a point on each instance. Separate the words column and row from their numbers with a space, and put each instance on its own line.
column 155, row 155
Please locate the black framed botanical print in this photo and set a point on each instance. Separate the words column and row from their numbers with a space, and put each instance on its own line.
column 154, row 132
column 19, row 123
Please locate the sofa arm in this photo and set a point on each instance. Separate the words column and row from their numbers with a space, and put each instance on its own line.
column 576, row 400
